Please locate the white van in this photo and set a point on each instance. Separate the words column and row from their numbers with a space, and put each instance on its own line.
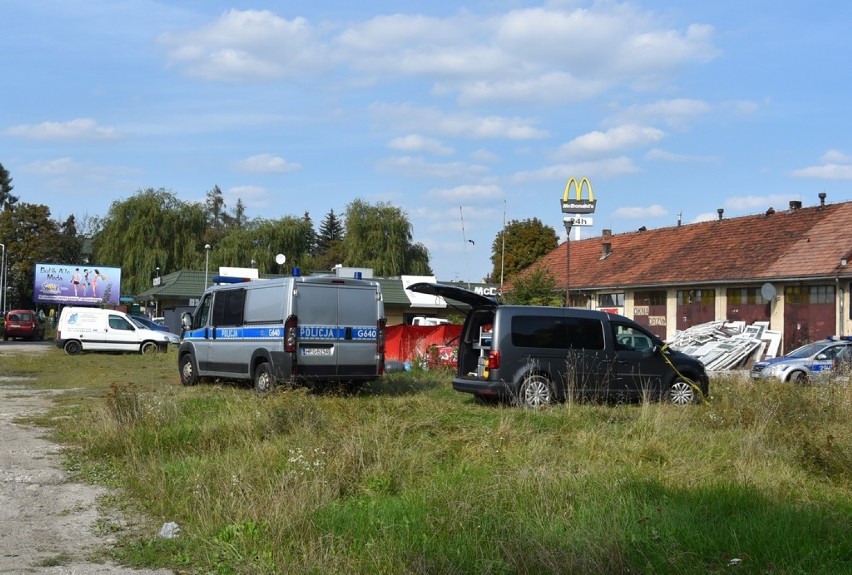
column 314, row 328
column 94, row 329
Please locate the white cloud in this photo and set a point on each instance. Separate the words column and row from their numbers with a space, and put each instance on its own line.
column 677, row 112
column 705, row 217
column 544, row 54
column 79, row 129
column 485, row 156
column 266, row 163
column 633, row 213
column 663, row 155
column 418, row 167
column 610, row 167
column 249, row 44
column 420, row 118
column 836, row 166
column 59, row 166
column 253, row 197
column 472, row 193
column 613, row 141
column 418, row 143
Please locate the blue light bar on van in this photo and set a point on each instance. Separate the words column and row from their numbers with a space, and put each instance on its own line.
column 229, row 280
column 297, row 272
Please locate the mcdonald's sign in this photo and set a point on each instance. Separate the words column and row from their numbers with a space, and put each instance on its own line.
column 578, row 205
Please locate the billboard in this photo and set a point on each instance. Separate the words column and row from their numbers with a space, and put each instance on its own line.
column 76, row 284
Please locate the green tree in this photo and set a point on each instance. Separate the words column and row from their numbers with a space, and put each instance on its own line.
column 526, row 242
column 150, row 229
column 260, row 241
column 379, row 237
column 329, row 243
column 30, row 237
column 70, row 248
column 7, row 200
column 537, row 287
column 216, row 216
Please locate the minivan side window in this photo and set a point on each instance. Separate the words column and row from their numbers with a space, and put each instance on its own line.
column 203, row 314
column 228, row 307
column 628, row 338
column 557, row 332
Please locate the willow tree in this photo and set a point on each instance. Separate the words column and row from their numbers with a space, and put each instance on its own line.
column 379, row 237
column 151, row 229
column 260, row 241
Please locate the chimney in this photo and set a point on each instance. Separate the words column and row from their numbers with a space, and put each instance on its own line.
column 821, row 199
column 679, row 218
column 606, row 250
column 795, row 204
column 606, row 233
column 720, row 211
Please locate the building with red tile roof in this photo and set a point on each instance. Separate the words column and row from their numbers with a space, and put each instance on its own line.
column 675, row 277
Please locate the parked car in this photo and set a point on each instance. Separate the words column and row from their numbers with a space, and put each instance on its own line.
column 82, row 329
column 802, row 363
column 535, row 355
column 146, row 323
column 842, row 364
column 23, row 324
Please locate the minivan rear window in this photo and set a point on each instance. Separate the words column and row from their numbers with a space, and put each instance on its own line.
column 557, row 332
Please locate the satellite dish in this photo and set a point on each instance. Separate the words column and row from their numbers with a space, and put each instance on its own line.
column 280, row 259
column 768, row 291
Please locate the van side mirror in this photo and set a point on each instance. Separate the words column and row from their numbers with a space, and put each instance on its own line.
column 186, row 320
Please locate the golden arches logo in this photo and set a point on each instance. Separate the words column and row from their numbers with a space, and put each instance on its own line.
column 578, row 186
column 578, row 205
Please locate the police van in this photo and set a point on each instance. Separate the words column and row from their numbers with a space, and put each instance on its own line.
column 311, row 328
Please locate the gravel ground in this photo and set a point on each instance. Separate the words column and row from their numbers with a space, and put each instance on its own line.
column 48, row 524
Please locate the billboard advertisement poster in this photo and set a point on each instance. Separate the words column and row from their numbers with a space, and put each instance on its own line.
column 76, row 284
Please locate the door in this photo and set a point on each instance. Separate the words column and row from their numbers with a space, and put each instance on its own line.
column 120, row 335
column 636, row 369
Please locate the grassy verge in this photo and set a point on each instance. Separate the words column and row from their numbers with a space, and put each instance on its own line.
column 407, row 476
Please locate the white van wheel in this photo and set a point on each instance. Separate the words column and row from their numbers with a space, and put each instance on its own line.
column 264, row 382
column 536, row 391
column 148, row 347
column 72, row 347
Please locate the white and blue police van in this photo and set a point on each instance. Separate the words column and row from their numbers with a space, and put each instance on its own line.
column 287, row 330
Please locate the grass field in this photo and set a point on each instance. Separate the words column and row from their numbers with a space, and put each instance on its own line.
column 408, row 476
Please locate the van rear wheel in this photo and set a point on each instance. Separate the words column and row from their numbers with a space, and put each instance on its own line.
column 264, row 382
column 536, row 391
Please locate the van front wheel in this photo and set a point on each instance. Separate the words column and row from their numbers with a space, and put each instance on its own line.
column 188, row 373
column 148, row 347
column 681, row 393
column 264, row 382
column 536, row 391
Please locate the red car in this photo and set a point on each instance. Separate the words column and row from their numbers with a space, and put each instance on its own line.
column 24, row 324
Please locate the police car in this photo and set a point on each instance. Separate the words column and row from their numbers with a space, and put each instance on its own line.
column 803, row 363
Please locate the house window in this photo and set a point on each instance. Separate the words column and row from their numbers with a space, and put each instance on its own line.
column 696, row 296
column 611, row 300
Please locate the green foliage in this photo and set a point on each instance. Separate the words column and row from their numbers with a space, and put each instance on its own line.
column 379, row 237
column 538, row 287
column 30, row 237
column 152, row 229
column 526, row 241
column 260, row 241
column 7, row 200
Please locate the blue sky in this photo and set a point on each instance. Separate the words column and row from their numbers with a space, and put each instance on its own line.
column 456, row 112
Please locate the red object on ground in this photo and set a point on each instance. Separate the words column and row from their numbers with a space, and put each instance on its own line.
column 415, row 343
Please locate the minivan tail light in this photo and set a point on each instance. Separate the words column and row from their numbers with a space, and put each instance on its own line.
column 493, row 361
column 291, row 333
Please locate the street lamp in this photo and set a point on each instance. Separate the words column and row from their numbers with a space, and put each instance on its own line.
column 206, row 263
column 569, row 222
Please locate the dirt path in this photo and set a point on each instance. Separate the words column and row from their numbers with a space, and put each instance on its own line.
column 48, row 524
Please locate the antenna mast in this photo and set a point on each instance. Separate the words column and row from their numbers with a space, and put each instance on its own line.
column 464, row 239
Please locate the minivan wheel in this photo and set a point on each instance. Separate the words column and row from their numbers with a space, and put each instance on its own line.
column 188, row 373
column 535, row 391
column 681, row 393
column 264, row 382
column 72, row 347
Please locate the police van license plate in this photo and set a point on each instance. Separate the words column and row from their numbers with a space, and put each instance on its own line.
column 316, row 351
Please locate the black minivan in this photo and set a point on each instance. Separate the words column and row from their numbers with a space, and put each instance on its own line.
column 535, row 356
